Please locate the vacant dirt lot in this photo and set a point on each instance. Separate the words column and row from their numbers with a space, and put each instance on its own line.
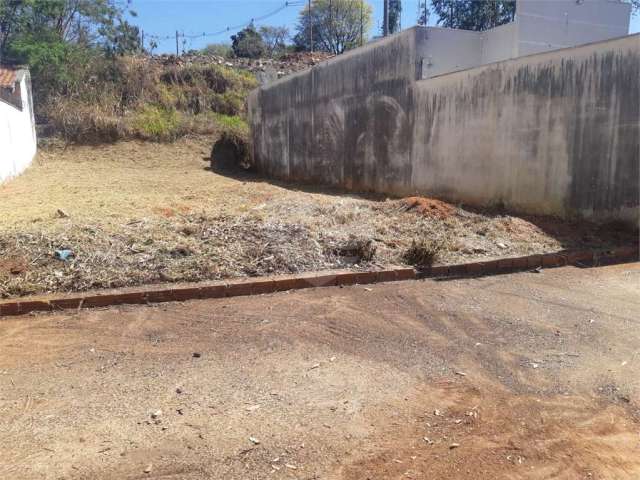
column 527, row 376
column 135, row 213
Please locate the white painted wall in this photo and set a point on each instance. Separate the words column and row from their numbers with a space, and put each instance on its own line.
column 17, row 132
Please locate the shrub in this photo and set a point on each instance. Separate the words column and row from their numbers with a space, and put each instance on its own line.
column 233, row 148
column 157, row 123
column 137, row 97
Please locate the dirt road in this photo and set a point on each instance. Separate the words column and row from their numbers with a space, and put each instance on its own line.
column 526, row 376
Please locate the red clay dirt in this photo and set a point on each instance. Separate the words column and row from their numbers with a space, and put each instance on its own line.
column 429, row 207
column 526, row 376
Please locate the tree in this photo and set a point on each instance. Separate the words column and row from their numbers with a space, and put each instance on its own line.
column 274, row 38
column 474, row 15
column 122, row 38
column 423, row 13
column 85, row 23
column 395, row 14
column 248, row 43
column 218, row 49
column 334, row 25
column 64, row 42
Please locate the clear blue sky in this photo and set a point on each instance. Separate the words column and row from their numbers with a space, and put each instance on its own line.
column 164, row 17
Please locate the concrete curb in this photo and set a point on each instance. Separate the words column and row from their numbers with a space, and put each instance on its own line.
column 257, row 286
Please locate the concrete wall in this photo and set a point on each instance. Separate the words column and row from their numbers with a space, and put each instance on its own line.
column 447, row 50
column 540, row 26
column 500, row 43
column 555, row 133
column 17, row 130
column 552, row 24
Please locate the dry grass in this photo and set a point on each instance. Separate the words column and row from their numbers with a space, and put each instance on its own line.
column 136, row 212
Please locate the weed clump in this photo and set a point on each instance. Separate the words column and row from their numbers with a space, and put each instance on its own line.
column 157, row 123
column 423, row 252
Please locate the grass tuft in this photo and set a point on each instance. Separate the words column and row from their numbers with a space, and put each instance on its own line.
column 423, row 252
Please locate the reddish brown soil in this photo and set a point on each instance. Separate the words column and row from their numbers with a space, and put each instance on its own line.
column 533, row 376
column 429, row 207
column 12, row 266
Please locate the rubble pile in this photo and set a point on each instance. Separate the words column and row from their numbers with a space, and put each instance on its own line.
column 265, row 69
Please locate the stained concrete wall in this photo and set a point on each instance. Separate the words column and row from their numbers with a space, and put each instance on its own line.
column 17, row 129
column 554, row 133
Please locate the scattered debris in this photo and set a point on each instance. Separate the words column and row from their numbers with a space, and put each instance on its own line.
column 262, row 232
column 61, row 213
column 148, row 468
column 63, row 254
column 253, row 408
column 196, row 355
column 254, row 440
column 454, row 445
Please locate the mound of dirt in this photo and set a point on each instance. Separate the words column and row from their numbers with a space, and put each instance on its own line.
column 429, row 207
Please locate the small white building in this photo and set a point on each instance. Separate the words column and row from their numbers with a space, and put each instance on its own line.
column 539, row 26
column 17, row 125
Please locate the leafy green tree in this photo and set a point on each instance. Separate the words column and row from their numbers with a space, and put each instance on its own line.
column 334, row 25
column 122, row 39
column 275, row 38
column 423, row 13
column 395, row 14
column 474, row 15
column 63, row 41
column 248, row 43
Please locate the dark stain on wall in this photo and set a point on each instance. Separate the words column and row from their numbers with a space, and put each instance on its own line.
column 364, row 122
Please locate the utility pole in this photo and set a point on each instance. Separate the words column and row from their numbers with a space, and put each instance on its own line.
column 310, row 29
column 361, row 22
column 142, row 39
column 177, row 45
column 385, row 28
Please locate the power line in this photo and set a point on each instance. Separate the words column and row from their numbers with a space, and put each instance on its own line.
column 231, row 27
